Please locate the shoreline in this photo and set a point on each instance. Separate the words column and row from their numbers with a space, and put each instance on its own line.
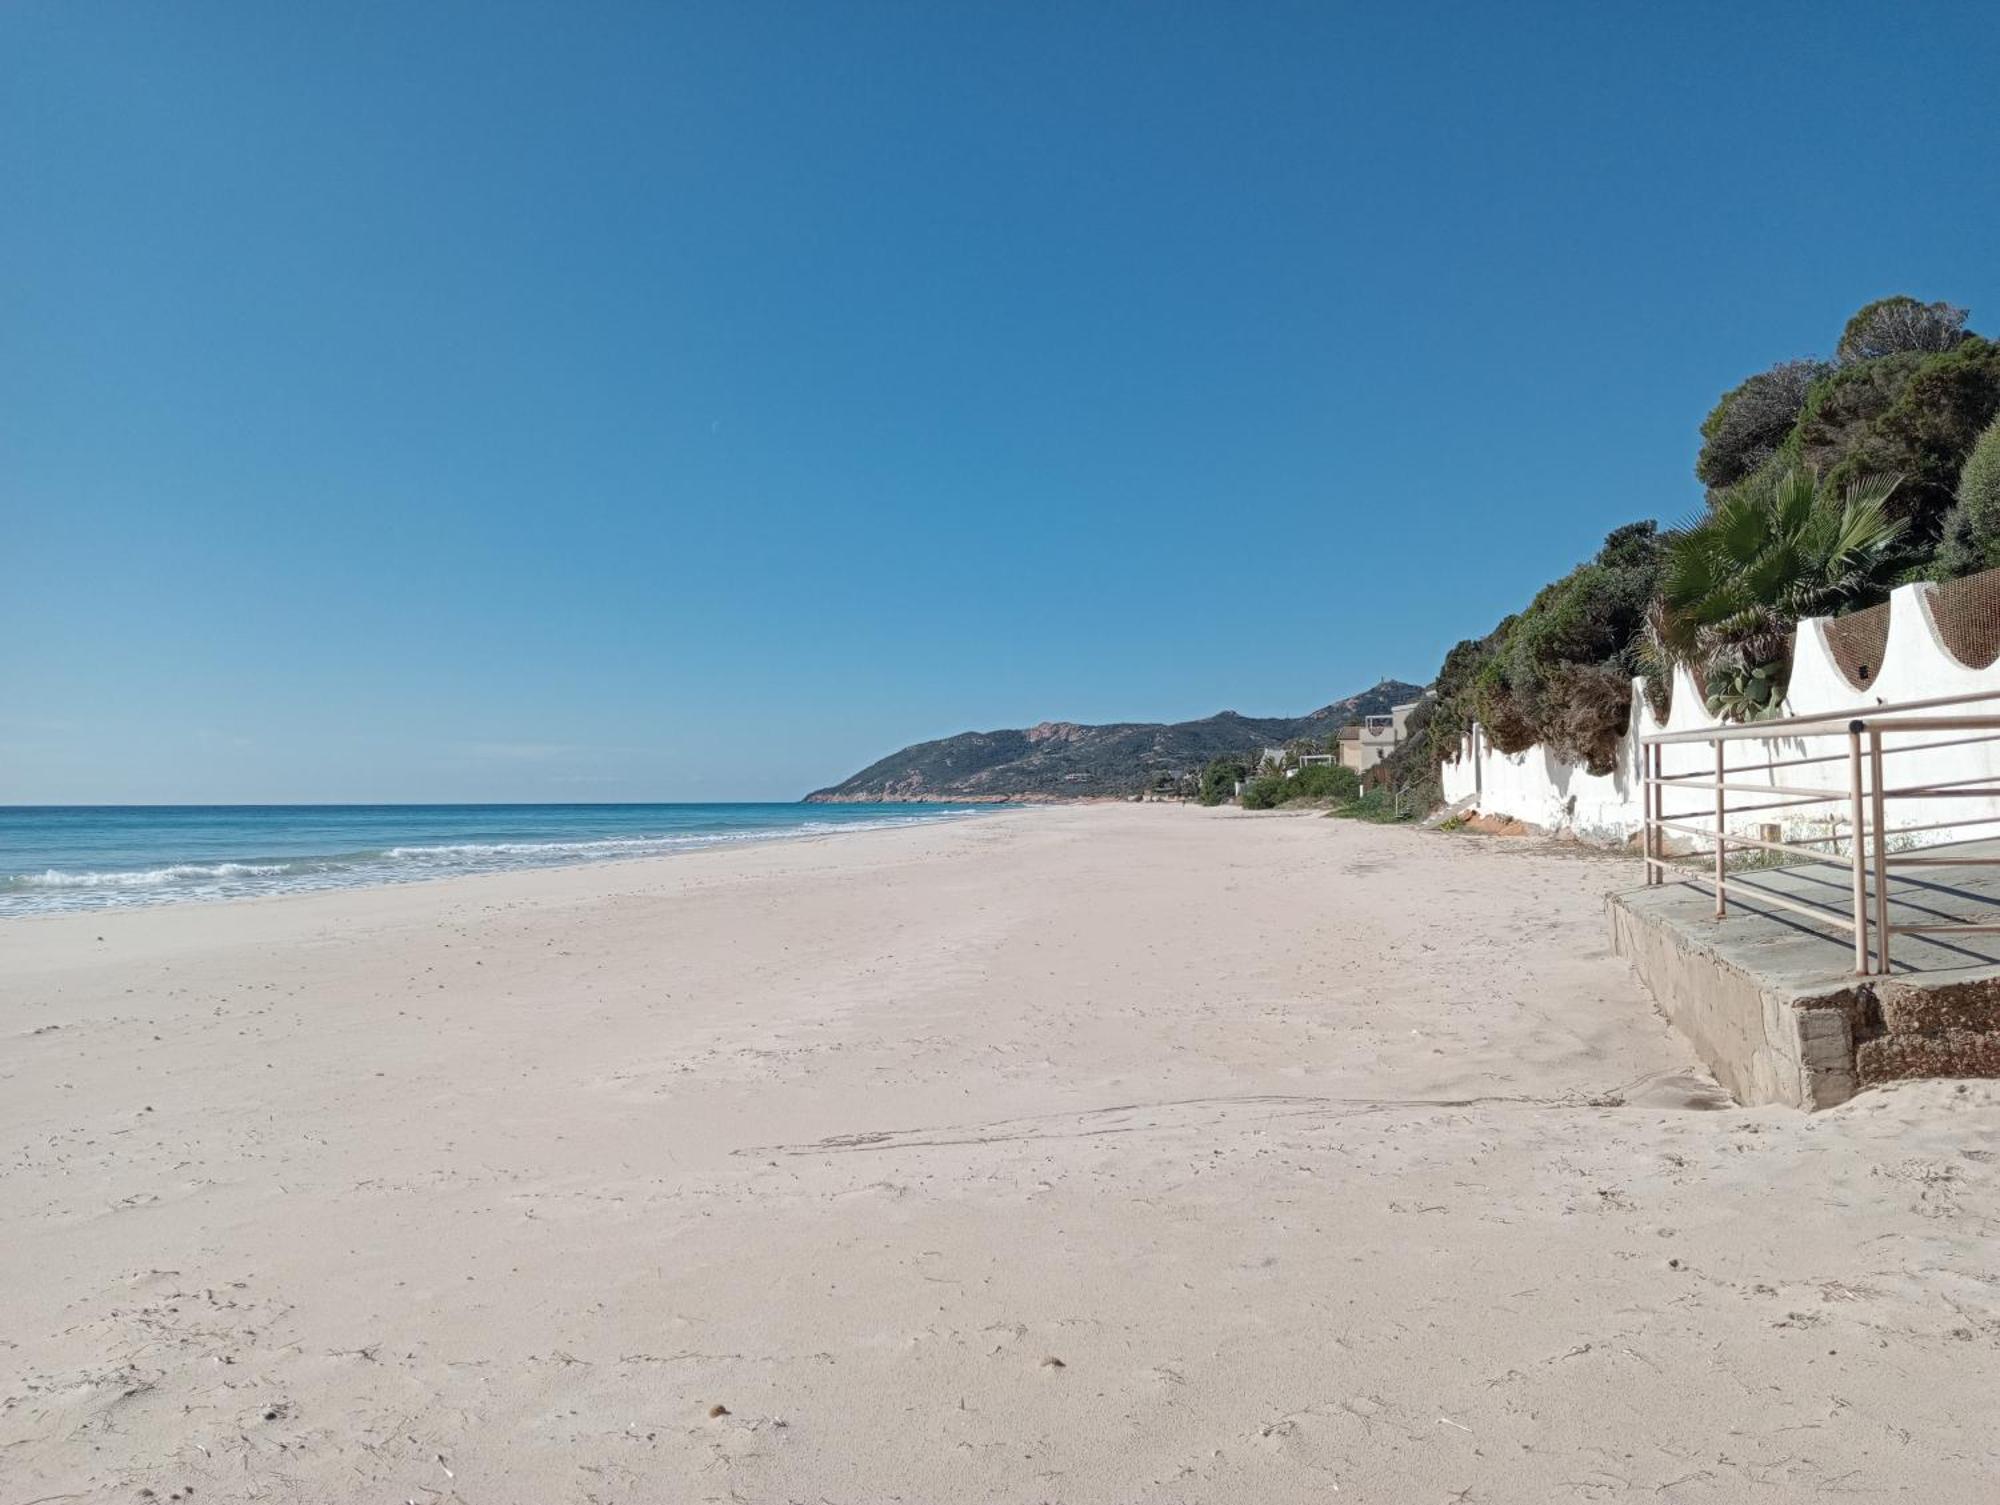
column 138, row 898
column 432, row 900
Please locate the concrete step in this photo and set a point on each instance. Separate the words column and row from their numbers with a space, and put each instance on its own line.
column 1773, row 1006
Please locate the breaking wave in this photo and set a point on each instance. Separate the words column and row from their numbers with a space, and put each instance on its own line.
column 152, row 877
column 71, row 885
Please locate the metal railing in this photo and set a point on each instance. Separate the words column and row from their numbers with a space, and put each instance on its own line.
column 1862, row 802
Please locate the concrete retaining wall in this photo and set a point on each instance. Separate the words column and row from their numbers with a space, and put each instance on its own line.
column 1774, row 1013
column 1764, row 1042
column 1553, row 794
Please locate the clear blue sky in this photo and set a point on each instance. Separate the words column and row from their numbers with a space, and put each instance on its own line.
column 592, row 401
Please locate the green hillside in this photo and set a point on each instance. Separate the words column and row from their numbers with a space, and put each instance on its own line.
column 1065, row 760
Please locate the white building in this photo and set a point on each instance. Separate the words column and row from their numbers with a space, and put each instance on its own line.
column 1367, row 742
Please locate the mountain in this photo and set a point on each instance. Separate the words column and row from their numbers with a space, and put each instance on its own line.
column 1065, row 760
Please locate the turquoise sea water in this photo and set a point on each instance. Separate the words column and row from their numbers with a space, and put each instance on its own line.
column 103, row 856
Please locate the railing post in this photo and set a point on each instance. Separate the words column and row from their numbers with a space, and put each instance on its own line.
column 1646, row 810
column 1721, row 845
column 1659, row 813
column 1880, row 808
column 1659, row 808
column 1857, row 819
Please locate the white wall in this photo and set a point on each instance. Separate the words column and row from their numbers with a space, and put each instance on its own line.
column 1555, row 795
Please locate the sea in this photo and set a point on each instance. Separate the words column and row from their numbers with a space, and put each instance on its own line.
column 55, row 858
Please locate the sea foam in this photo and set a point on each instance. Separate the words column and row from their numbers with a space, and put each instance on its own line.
column 349, row 846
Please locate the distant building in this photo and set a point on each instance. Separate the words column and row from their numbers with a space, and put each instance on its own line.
column 1367, row 742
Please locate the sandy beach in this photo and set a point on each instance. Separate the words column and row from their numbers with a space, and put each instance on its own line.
column 1086, row 1155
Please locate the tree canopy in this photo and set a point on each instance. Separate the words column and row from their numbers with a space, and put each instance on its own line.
column 1898, row 324
column 1745, row 428
column 1826, row 484
column 1560, row 672
column 1971, row 540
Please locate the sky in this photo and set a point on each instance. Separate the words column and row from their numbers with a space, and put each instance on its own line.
column 691, row 401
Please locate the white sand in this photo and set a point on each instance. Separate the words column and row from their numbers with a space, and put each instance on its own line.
column 1331, row 1163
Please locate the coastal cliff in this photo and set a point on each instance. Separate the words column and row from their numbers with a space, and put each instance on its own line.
column 1067, row 760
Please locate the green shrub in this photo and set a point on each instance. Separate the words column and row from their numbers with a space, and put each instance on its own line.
column 1929, row 433
column 1908, row 415
column 1320, row 782
column 1448, row 715
column 1828, row 482
column 1746, row 427
column 1843, row 407
column 1265, row 792
column 1971, row 541
column 1220, row 778
column 1588, row 710
column 1497, row 709
column 1387, row 804
column 1561, row 672
column 1895, row 325
column 1325, row 781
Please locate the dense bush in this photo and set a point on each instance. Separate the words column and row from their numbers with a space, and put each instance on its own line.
column 1587, row 710
column 1827, row 483
column 1498, row 710
column 1320, row 782
column 1842, row 409
column 1551, row 674
column 1325, row 781
column 1448, row 715
column 1911, row 416
column 1892, row 326
column 1745, row 428
column 1261, row 793
column 1220, row 778
column 1390, row 804
column 1928, row 434
column 1971, row 541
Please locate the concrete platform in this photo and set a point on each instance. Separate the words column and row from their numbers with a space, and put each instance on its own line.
column 1771, row 1001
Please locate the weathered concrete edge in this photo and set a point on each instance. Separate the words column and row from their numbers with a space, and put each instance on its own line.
column 1766, row 1045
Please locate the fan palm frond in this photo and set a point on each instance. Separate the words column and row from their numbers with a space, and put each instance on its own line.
column 1770, row 552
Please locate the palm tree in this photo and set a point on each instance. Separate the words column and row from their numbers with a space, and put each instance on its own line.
column 1737, row 581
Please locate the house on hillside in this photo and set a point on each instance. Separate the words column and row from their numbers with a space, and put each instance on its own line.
column 1367, row 742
